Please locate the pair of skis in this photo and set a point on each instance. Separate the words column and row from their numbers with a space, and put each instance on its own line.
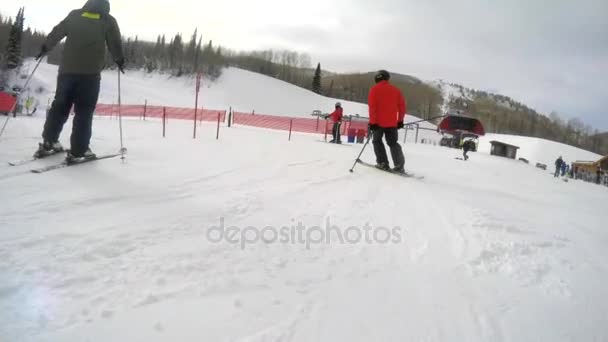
column 396, row 173
column 61, row 165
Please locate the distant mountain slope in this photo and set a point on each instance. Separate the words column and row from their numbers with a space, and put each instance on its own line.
column 504, row 115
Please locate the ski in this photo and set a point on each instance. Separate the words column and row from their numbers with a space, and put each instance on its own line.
column 65, row 164
column 342, row 144
column 32, row 159
column 404, row 174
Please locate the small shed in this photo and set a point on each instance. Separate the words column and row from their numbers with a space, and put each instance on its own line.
column 590, row 166
column 584, row 166
column 603, row 163
column 502, row 149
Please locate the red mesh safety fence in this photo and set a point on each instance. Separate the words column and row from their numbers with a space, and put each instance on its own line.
column 157, row 112
column 284, row 123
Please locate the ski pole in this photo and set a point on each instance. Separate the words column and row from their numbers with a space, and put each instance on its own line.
column 360, row 154
column 17, row 99
column 122, row 148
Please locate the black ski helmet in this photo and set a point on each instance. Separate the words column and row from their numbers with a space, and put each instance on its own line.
column 338, row 105
column 382, row 75
column 97, row 6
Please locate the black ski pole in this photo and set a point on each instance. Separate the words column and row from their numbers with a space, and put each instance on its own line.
column 17, row 99
column 360, row 154
column 122, row 148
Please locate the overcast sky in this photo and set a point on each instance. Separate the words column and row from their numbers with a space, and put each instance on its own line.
column 551, row 55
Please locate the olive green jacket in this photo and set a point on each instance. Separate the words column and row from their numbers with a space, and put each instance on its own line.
column 88, row 31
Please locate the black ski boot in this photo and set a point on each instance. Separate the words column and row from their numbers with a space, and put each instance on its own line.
column 399, row 169
column 75, row 159
column 383, row 167
column 46, row 149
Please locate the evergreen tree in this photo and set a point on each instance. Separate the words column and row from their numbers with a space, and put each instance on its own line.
column 176, row 55
column 191, row 54
column 197, row 55
column 316, row 80
column 13, row 48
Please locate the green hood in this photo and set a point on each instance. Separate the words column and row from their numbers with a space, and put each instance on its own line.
column 97, row 6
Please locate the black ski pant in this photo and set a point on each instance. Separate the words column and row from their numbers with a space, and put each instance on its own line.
column 391, row 135
column 82, row 92
column 335, row 132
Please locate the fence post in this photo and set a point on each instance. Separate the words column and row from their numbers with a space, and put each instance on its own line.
column 217, row 137
column 145, row 109
column 194, row 124
column 317, row 128
column 290, row 127
column 417, row 131
column 195, row 116
column 230, row 118
column 164, row 120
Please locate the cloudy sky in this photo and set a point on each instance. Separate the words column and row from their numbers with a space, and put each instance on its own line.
column 551, row 55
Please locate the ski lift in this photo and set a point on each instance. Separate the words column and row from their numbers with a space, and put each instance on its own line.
column 453, row 124
column 459, row 128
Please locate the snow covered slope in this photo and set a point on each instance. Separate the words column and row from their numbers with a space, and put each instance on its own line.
column 247, row 91
column 488, row 250
column 243, row 90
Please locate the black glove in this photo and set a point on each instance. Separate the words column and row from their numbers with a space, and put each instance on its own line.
column 400, row 125
column 43, row 51
column 121, row 65
column 372, row 127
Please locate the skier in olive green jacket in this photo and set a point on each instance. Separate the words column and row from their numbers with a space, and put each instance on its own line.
column 88, row 30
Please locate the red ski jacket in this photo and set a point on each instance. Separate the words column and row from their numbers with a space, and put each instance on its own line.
column 336, row 116
column 386, row 105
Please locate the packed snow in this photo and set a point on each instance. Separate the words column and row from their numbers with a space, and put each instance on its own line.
column 487, row 250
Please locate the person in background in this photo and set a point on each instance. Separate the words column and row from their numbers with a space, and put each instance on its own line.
column 558, row 166
column 336, row 119
column 31, row 105
column 468, row 145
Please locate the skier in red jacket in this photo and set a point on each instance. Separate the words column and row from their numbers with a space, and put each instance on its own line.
column 336, row 119
column 387, row 110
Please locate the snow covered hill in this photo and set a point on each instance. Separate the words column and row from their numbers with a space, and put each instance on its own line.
column 240, row 89
column 488, row 250
column 247, row 91
column 199, row 240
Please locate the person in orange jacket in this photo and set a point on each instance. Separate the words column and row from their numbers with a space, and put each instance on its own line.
column 336, row 119
column 387, row 110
